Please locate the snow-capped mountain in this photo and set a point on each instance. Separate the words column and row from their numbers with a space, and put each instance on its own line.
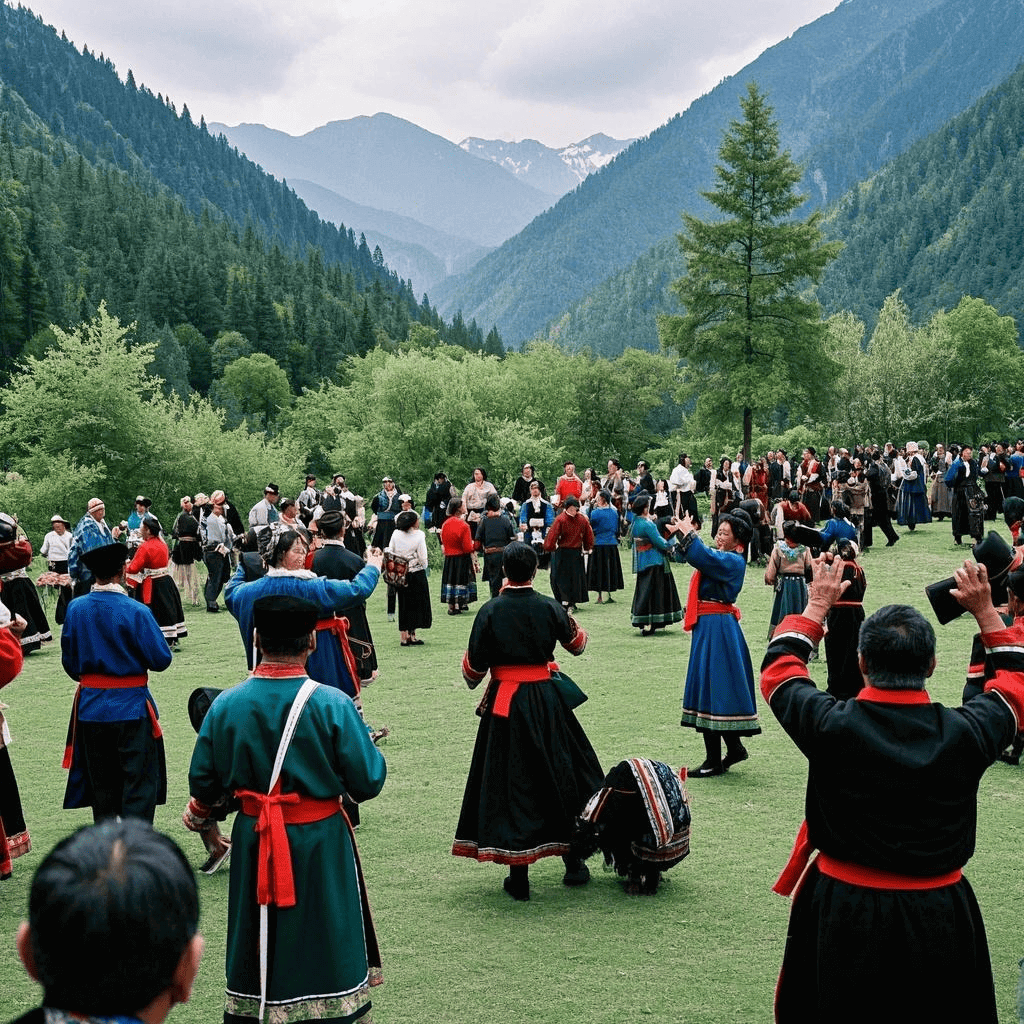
column 555, row 171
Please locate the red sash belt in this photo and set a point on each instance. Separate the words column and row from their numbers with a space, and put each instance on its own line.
column 339, row 626
column 642, row 546
column 95, row 681
column 510, row 677
column 695, row 607
column 853, row 874
column 848, row 604
column 876, row 878
column 275, row 883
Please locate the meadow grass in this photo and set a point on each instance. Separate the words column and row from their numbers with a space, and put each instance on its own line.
column 705, row 950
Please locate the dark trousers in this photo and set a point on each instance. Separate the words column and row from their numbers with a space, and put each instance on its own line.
column 121, row 761
column 217, row 575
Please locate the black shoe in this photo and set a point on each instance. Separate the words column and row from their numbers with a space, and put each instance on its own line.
column 892, row 542
column 730, row 758
column 577, row 875
column 706, row 771
column 212, row 608
column 519, row 892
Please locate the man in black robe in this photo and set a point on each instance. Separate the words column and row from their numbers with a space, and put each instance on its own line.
column 884, row 926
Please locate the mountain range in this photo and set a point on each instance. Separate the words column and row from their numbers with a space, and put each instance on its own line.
column 852, row 90
column 435, row 208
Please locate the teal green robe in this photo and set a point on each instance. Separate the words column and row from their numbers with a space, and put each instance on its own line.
column 318, row 965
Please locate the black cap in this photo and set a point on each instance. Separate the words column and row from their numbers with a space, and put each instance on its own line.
column 106, row 561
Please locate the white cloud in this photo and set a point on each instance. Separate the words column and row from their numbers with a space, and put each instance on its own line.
column 556, row 70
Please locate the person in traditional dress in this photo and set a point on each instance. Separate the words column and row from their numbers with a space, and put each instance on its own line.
column 153, row 584
column 839, row 527
column 569, row 538
column 533, row 768
column 334, row 561
column 811, row 482
column 723, row 492
column 90, row 531
column 939, row 499
column 912, row 503
column 265, row 512
column 299, row 950
column 842, row 627
column 661, row 500
column 283, row 552
column 458, row 577
column 15, row 840
column 19, row 592
column 962, row 478
column 521, row 488
column 218, row 538
column 536, row 514
column 109, row 645
column 439, row 497
column 56, row 548
column 309, row 500
column 113, row 927
column 569, row 484
column 655, row 598
column 414, row 598
column 604, row 568
column 186, row 552
column 718, row 700
column 384, row 506
column 491, row 534
column 883, row 923
column 475, row 495
column 789, row 568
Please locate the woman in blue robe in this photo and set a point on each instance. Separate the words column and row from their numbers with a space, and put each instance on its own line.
column 718, row 700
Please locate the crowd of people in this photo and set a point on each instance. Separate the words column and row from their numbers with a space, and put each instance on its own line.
column 296, row 575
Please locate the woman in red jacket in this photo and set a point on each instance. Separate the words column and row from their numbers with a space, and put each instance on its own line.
column 458, row 578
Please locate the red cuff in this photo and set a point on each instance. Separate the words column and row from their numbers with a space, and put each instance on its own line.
column 782, row 670
column 799, row 625
column 578, row 643
column 1010, row 686
column 470, row 674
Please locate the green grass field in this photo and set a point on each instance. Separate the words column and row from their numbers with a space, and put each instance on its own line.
column 705, row 950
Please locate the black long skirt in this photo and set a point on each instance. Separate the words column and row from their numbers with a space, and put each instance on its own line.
column 568, row 576
column 165, row 605
column 414, row 610
column 12, row 819
column 655, row 599
column 531, row 775
column 848, row 944
column 19, row 594
column 458, row 581
column 604, row 571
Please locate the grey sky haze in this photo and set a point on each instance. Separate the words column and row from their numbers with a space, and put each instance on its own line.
column 552, row 70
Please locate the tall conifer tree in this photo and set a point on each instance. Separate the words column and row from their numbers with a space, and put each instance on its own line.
column 752, row 339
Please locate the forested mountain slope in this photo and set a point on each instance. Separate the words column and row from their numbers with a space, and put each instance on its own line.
column 851, row 90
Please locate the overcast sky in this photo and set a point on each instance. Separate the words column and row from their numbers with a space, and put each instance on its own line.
column 552, row 70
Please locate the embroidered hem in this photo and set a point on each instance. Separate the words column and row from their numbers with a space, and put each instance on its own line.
column 489, row 854
column 336, row 1008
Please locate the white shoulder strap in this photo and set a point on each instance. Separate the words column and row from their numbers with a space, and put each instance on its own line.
column 298, row 704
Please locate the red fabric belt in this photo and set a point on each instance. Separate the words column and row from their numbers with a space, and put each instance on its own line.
column 853, row 874
column 510, row 677
column 642, row 546
column 848, row 604
column 95, row 681
column 876, row 878
column 338, row 625
column 275, row 883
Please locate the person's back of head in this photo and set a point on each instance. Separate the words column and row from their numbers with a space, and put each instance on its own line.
column 519, row 562
column 113, row 921
column 897, row 645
